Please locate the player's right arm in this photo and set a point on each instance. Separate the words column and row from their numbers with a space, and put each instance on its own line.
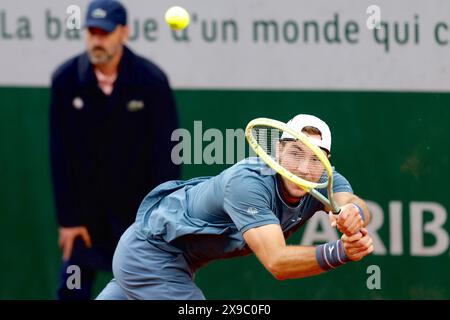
column 287, row 262
column 247, row 202
column 282, row 261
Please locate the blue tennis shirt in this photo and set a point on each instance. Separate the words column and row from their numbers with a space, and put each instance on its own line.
column 205, row 217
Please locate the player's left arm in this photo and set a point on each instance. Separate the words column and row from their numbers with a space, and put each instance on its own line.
column 354, row 213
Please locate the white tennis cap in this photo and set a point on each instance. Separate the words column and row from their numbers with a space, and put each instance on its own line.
column 305, row 120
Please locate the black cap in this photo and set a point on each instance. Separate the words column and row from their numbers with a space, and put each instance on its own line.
column 106, row 15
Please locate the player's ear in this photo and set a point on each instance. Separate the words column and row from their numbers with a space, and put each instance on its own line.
column 278, row 148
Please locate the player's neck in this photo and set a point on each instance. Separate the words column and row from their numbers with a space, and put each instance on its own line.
column 287, row 198
column 111, row 67
column 292, row 201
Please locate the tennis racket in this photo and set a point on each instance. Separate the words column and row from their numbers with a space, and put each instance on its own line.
column 294, row 156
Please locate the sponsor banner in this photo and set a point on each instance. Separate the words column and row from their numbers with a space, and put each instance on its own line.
column 385, row 45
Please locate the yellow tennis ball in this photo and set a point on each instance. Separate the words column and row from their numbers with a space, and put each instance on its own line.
column 177, row 18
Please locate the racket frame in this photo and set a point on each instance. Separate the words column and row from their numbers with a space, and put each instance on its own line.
column 306, row 185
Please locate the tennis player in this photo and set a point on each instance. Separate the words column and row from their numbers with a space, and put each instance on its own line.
column 248, row 208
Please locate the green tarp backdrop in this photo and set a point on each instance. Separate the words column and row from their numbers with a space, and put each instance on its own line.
column 393, row 147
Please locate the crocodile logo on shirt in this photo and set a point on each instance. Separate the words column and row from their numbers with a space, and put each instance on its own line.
column 135, row 105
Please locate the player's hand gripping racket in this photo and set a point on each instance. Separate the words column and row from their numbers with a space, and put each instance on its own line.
column 293, row 155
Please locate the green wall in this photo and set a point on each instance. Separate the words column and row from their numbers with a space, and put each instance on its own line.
column 391, row 146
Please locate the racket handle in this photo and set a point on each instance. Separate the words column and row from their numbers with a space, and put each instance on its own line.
column 339, row 211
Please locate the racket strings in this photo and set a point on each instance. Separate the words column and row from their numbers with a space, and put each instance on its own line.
column 291, row 154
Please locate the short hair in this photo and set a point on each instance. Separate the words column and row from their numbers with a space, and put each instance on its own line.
column 312, row 130
column 308, row 130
